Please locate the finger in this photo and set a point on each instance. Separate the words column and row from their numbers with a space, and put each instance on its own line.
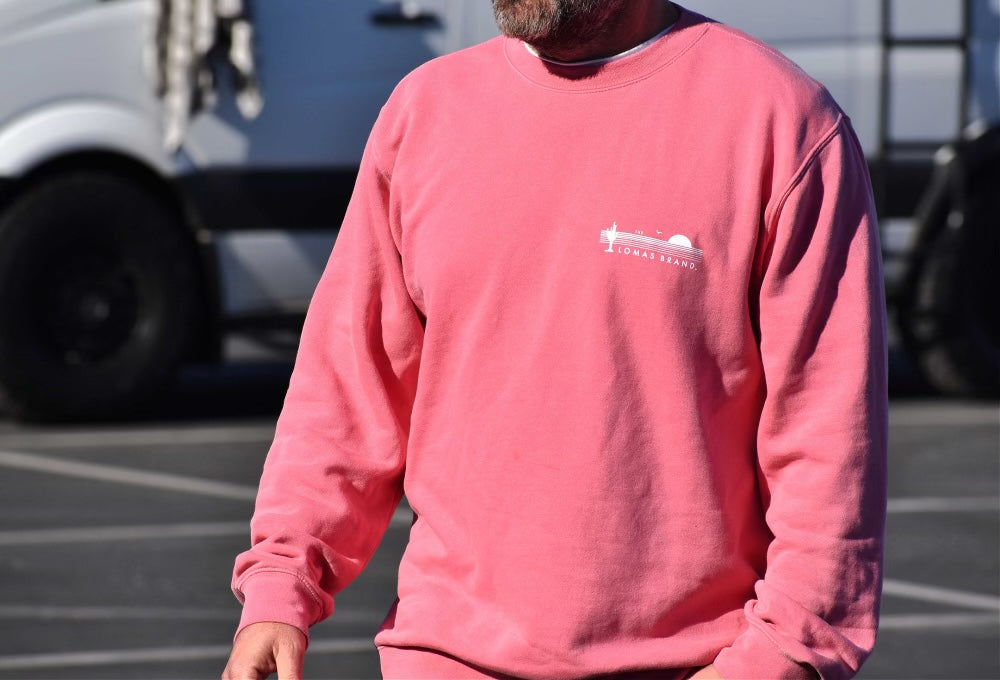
column 289, row 659
column 236, row 669
column 289, row 666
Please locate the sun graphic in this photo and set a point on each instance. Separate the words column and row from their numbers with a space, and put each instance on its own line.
column 680, row 240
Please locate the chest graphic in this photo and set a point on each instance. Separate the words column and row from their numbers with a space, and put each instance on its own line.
column 675, row 251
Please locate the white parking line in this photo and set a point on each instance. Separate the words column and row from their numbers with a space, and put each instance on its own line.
column 402, row 518
column 181, row 436
column 123, row 533
column 136, row 613
column 51, row 613
column 122, row 475
column 935, row 621
column 924, row 593
column 943, row 415
column 113, row 657
column 941, row 504
column 364, row 645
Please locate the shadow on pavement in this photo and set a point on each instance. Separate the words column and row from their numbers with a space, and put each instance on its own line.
column 234, row 390
column 256, row 389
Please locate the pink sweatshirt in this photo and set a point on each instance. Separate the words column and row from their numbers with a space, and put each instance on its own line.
column 618, row 334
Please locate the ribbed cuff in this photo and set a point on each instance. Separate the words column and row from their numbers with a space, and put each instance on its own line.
column 276, row 596
column 752, row 656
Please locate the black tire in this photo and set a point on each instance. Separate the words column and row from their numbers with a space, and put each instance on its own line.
column 950, row 321
column 98, row 298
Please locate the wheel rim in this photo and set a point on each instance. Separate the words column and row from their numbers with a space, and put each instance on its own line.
column 89, row 306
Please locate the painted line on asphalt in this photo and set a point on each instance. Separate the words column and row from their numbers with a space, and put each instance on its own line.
column 115, row 657
column 157, row 480
column 135, row 613
column 402, row 518
column 924, row 593
column 54, row 613
column 936, row 621
column 179, row 436
column 899, row 416
column 943, row 415
column 942, row 504
column 123, row 533
column 51, row 613
column 129, row 476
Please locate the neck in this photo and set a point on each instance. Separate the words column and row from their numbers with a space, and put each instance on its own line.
column 634, row 24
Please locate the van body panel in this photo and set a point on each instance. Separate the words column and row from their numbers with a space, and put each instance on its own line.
column 62, row 128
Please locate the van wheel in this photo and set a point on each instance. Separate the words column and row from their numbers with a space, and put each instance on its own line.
column 949, row 320
column 98, row 298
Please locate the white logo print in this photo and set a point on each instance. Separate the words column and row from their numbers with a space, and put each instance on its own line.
column 677, row 250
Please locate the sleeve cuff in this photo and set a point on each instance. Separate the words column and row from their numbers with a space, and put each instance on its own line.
column 753, row 656
column 276, row 596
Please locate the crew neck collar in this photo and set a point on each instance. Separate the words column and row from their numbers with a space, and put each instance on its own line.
column 615, row 71
column 603, row 60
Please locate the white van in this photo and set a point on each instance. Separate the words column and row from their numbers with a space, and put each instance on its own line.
column 132, row 238
column 120, row 258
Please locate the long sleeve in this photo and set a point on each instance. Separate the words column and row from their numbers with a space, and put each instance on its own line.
column 333, row 475
column 821, row 442
column 646, row 454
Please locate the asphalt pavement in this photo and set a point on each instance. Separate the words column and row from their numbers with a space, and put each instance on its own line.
column 117, row 541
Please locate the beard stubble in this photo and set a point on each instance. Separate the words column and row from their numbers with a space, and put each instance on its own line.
column 556, row 25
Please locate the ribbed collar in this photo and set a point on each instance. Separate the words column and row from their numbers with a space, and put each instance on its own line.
column 612, row 73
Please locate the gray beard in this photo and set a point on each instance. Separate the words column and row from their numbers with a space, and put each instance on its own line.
column 556, row 25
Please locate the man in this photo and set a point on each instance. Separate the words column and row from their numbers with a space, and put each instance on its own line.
column 606, row 305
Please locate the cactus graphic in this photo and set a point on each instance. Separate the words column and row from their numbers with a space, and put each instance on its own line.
column 612, row 233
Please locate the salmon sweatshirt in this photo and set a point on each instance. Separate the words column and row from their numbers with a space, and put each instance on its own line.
column 617, row 332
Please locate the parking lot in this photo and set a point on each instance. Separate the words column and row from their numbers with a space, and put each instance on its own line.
column 116, row 542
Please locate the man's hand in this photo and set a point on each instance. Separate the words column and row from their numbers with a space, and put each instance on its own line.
column 707, row 673
column 263, row 648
